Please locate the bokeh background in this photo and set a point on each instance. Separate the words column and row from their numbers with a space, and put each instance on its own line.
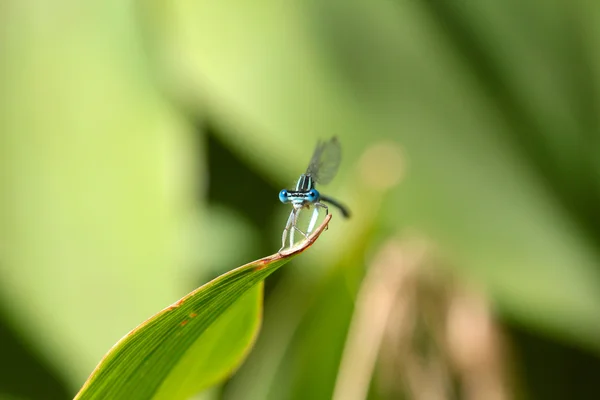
column 143, row 144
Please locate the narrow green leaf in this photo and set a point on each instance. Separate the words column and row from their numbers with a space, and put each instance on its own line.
column 177, row 352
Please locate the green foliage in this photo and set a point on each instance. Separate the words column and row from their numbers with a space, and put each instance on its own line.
column 193, row 343
column 112, row 114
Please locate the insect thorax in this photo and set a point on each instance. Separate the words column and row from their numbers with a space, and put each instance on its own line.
column 305, row 183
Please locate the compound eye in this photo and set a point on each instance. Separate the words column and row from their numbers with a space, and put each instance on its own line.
column 283, row 196
column 313, row 195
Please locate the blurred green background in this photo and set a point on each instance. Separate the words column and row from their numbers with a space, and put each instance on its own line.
column 143, row 145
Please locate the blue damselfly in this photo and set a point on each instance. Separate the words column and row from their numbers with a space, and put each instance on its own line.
column 322, row 168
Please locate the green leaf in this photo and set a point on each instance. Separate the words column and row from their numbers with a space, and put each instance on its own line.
column 89, row 216
column 499, row 170
column 193, row 343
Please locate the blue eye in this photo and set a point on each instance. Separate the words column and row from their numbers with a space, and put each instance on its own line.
column 313, row 195
column 283, row 196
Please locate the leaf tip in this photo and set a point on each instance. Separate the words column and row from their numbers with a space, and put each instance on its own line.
column 297, row 249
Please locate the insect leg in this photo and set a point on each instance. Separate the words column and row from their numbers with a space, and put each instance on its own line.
column 317, row 204
column 288, row 226
column 313, row 220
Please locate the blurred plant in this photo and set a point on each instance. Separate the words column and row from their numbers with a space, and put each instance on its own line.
column 429, row 338
column 486, row 112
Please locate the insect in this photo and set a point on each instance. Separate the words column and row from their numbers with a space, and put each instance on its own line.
column 322, row 168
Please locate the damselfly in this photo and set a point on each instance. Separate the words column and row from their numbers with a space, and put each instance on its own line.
column 322, row 168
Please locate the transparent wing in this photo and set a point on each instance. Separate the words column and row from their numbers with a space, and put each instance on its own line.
column 325, row 161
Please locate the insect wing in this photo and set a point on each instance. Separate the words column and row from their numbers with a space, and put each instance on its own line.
column 325, row 161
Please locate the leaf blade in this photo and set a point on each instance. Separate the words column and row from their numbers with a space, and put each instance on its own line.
column 138, row 365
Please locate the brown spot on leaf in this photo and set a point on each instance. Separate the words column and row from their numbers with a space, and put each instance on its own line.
column 261, row 264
